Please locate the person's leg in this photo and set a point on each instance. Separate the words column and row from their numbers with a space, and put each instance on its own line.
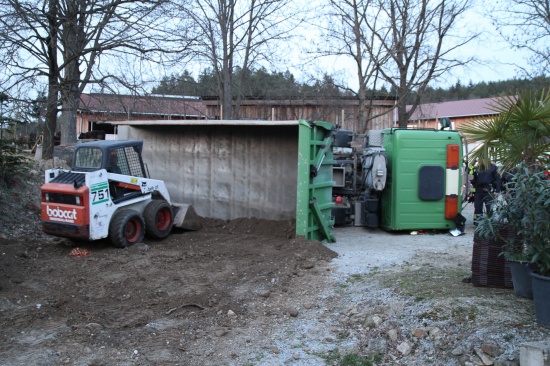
column 478, row 205
column 488, row 202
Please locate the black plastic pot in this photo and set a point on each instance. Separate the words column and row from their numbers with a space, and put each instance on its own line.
column 541, row 298
column 521, row 278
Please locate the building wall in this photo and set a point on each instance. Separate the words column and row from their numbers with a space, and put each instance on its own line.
column 343, row 112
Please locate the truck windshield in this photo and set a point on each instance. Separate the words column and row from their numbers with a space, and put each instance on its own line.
column 88, row 157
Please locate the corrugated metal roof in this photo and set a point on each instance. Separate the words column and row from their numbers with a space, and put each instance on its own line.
column 457, row 108
column 141, row 105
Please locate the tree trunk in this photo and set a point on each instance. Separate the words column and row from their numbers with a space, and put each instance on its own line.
column 402, row 115
column 74, row 40
column 227, row 100
column 362, row 117
column 68, row 118
column 53, row 90
column 403, row 93
column 51, row 120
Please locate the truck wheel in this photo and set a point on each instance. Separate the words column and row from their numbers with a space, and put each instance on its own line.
column 127, row 228
column 159, row 219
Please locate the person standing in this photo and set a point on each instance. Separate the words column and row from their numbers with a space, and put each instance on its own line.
column 487, row 183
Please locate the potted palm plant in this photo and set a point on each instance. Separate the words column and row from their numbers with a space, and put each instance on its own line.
column 522, row 221
column 518, row 137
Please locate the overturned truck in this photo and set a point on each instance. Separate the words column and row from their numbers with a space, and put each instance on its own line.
column 398, row 179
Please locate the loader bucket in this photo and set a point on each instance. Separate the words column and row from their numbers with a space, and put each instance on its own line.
column 185, row 217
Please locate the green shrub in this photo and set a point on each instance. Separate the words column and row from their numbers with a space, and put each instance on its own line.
column 12, row 164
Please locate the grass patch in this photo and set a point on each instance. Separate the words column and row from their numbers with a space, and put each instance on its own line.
column 351, row 359
column 428, row 282
column 355, row 278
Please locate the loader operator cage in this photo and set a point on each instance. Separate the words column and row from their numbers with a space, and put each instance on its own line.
column 129, row 161
column 115, row 159
column 89, row 157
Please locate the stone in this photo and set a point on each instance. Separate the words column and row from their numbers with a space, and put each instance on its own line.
column 221, row 333
column 419, row 332
column 487, row 360
column 377, row 345
column 458, row 351
column 395, row 308
column 142, row 247
column 535, row 353
column 392, row 335
column 377, row 320
column 352, row 311
column 372, row 321
column 404, row 348
column 293, row 312
column 435, row 333
column 491, row 349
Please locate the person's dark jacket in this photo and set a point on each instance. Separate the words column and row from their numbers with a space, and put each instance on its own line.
column 489, row 178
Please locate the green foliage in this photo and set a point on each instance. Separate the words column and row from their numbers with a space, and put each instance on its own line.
column 280, row 85
column 527, row 212
column 355, row 278
column 518, row 136
column 519, row 132
column 256, row 84
column 11, row 163
column 351, row 359
column 491, row 89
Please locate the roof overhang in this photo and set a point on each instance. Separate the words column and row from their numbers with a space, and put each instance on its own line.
column 205, row 122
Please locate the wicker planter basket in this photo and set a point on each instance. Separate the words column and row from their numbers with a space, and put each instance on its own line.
column 488, row 267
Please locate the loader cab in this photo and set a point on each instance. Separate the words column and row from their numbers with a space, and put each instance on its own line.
column 119, row 157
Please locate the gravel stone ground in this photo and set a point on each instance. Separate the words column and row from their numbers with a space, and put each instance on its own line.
column 400, row 299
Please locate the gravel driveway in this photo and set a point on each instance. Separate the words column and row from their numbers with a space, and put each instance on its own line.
column 400, row 299
column 360, row 250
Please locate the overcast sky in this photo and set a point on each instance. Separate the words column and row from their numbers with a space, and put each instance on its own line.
column 498, row 60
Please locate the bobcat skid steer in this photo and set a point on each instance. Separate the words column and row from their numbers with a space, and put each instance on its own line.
column 107, row 194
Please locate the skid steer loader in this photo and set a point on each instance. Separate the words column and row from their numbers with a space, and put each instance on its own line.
column 107, row 194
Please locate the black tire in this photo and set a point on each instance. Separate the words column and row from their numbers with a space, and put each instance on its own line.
column 127, row 228
column 159, row 219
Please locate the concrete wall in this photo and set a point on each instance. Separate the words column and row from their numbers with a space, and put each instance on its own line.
column 224, row 171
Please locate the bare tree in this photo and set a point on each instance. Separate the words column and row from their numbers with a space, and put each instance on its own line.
column 64, row 42
column 525, row 24
column 405, row 44
column 235, row 35
column 347, row 36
